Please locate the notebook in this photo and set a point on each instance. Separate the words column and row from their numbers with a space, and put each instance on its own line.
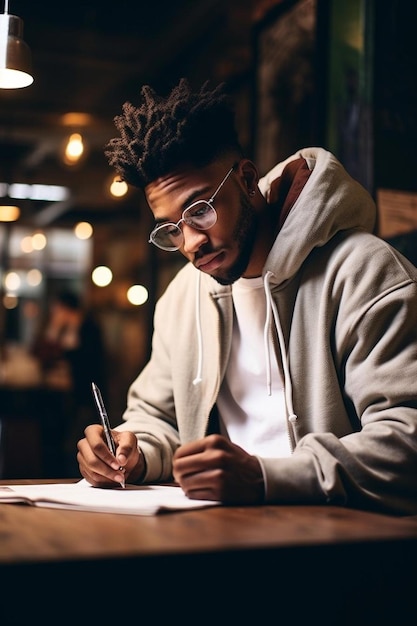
column 81, row 496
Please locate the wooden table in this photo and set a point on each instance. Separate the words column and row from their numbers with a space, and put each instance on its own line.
column 255, row 565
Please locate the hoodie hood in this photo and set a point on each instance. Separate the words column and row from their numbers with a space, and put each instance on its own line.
column 316, row 199
column 330, row 201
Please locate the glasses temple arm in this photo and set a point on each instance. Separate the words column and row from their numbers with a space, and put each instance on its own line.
column 222, row 183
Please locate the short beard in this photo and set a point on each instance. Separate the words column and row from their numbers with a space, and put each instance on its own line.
column 245, row 235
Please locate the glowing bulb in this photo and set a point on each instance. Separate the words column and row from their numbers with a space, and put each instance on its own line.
column 137, row 294
column 83, row 230
column 26, row 244
column 118, row 188
column 38, row 241
column 9, row 213
column 74, row 148
column 34, row 277
column 12, row 281
column 102, row 276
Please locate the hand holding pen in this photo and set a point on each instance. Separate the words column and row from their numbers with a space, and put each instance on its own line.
column 106, row 424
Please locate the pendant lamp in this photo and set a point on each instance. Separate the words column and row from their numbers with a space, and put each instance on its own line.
column 15, row 58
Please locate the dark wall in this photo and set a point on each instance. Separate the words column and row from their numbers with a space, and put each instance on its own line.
column 395, row 94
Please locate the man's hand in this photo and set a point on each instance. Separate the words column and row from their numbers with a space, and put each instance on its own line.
column 213, row 468
column 97, row 464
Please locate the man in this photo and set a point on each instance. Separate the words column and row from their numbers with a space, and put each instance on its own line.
column 284, row 359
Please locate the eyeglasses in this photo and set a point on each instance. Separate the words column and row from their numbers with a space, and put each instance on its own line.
column 200, row 215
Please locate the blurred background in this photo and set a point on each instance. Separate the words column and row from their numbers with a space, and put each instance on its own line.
column 336, row 73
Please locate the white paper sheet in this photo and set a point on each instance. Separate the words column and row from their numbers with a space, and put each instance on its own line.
column 81, row 496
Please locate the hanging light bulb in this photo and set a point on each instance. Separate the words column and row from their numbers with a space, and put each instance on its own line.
column 118, row 188
column 15, row 58
column 74, row 149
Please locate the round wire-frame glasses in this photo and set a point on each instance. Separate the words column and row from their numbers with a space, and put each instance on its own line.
column 200, row 215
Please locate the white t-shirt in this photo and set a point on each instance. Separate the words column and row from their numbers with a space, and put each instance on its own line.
column 249, row 416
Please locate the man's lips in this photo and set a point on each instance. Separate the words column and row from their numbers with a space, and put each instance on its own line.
column 210, row 263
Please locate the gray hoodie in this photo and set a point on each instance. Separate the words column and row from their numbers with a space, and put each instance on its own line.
column 343, row 304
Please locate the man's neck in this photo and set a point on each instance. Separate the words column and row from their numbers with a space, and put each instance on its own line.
column 267, row 233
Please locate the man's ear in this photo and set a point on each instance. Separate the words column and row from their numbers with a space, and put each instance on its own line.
column 250, row 175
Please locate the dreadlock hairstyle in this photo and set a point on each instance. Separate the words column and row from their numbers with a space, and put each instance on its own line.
column 164, row 133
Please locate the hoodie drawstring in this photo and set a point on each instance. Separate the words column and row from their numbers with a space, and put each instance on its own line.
column 270, row 305
column 197, row 380
column 266, row 333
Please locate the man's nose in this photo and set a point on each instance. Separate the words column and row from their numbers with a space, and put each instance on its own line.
column 193, row 238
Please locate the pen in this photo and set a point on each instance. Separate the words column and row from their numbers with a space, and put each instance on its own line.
column 106, row 424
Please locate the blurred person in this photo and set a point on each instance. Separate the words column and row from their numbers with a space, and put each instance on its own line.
column 284, row 354
column 73, row 339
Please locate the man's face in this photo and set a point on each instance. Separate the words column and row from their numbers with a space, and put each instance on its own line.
column 224, row 251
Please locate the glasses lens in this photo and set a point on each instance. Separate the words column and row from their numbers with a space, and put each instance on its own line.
column 167, row 237
column 200, row 215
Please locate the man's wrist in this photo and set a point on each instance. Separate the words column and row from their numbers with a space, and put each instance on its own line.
column 138, row 473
